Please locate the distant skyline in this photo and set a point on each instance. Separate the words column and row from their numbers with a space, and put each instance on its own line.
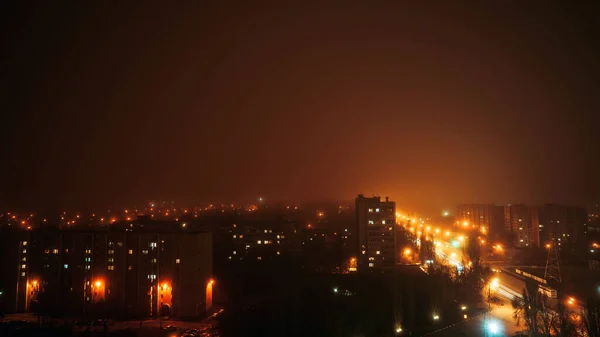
column 432, row 105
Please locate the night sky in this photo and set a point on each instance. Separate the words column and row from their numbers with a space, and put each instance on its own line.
column 115, row 102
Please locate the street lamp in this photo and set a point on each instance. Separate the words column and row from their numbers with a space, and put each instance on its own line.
column 493, row 328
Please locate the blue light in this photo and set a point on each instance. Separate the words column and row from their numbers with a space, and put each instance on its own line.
column 455, row 244
column 493, row 327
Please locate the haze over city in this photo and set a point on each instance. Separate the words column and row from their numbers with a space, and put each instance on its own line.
column 432, row 105
column 245, row 168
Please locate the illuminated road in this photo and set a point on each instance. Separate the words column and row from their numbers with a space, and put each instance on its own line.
column 501, row 316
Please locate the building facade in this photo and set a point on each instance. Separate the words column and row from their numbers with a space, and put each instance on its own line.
column 565, row 225
column 375, row 221
column 487, row 218
column 522, row 222
column 125, row 270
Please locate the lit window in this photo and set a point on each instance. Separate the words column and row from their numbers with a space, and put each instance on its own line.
column 24, row 251
column 46, row 251
column 177, row 261
column 153, row 260
column 230, row 257
column 241, row 236
column 145, row 251
column 234, row 252
column 370, row 210
column 24, row 243
column 130, row 252
column 55, row 251
column 23, row 266
column 152, row 244
column 111, row 259
column 278, row 236
column 234, row 236
column 23, row 274
column 120, row 244
column 87, row 266
column 129, row 267
column 24, row 258
column 363, row 252
column 66, row 266
column 259, row 242
column 66, row 250
column 88, row 251
column 111, row 267
column 278, row 253
column 265, row 230
column 88, row 259
column 111, row 251
column 371, row 222
column 377, row 252
column 371, row 264
column 383, row 222
column 376, row 209
column 259, row 258
column 371, row 258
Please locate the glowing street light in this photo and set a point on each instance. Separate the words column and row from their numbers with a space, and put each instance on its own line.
column 436, row 317
column 495, row 283
column 493, row 327
column 463, row 308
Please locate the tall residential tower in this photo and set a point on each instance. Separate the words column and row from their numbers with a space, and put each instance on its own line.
column 376, row 240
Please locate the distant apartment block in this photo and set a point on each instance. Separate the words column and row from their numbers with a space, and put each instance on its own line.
column 562, row 224
column 486, row 218
column 125, row 270
column 375, row 221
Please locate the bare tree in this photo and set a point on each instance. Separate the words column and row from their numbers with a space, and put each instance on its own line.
column 591, row 318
